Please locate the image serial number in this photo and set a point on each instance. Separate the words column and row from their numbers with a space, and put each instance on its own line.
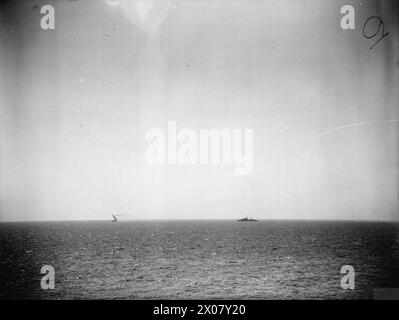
column 221, row 309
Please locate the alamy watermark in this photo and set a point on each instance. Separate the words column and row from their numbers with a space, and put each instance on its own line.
column 48, row 280
column 348, row 280
column 207, row 146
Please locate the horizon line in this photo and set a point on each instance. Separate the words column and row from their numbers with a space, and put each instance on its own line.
column 203, row 219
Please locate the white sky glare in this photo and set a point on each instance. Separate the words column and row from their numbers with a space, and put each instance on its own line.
column 75, row 103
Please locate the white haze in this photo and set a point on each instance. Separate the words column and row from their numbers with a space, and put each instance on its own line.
column 76, row 103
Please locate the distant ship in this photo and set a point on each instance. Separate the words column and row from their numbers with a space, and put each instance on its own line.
column 247, row 220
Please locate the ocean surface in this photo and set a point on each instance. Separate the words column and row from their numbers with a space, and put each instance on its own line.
column 198, row 259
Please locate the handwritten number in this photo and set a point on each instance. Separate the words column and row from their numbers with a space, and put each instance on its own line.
column 381, row 23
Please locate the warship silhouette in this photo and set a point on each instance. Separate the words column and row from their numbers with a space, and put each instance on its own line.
column 247, row 220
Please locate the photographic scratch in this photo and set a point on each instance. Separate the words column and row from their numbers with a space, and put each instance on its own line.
column 352, row 125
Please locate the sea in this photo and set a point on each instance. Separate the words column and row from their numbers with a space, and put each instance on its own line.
column 198, row 259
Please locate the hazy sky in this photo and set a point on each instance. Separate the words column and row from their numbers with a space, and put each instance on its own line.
column 76, row 103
